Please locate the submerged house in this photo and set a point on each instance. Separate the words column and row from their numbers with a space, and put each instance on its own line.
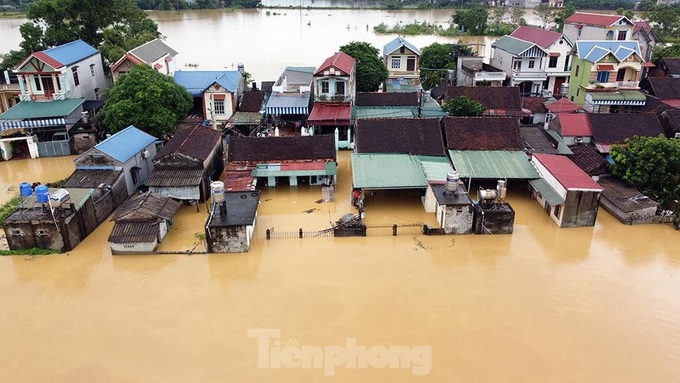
column 216, row 93
column 625, row 203
column 231, row 222
column 295, row 159
column 248, row 117
column 141, row 223
column 566, row 193
column 155, row 53
column 185, row 166
column 402, row 60
column 289, row 102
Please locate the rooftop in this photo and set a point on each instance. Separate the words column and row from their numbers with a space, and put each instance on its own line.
column 65, row 54
column 514, row 45
column 31, row 109
column 566, row 172
column 597, row 19
column 665, row 88
column 596, row 50
column 482, row 133
column 146, row 207
column 197, row 142
column 445, row 197
column 575, row 124
column 386, row 99
column 261, row 149
column 340, row 61
column 241, row 209
column 387, row 171
column 153, row 50
column 492, row 164
column 399, row 135
column 397, row 43
column 672, row 65
column 623, row 196
column 539, row 36
column 91, row 178
column 563, row 105
column 125, row 144
column 252, row 101
column 589, row 160
column 495, row 98
column 196, row 82
column 614, row 128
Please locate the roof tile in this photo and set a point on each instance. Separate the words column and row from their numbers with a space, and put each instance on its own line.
column 482, row 133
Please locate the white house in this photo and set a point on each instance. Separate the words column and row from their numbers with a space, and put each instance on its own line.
column 216, row 93
column 155, row 53
column 402, row 60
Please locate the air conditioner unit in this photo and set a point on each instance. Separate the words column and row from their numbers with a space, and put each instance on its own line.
column 677, row 135
column 578, row 140
column 145, row 154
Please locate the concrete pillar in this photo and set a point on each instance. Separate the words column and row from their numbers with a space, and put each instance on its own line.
column 22, row 85
column 336, row 134
column 293, row 180
column 271, row 181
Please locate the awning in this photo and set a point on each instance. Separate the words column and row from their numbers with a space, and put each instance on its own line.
column 492, row 164
column 648, row 64
column 632, row 97
column 280, row 104
column 158, row 66
column 605, row 67
column 15, row 124
column 279, row 110
column 330, row 114
column 554, row 54
column 547, row 192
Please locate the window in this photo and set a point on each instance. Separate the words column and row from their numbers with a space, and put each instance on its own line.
column 517, row 65
column 602, row 76
column 566, row 64
column 532, row 63
column 622, row 35
column 76, row 81
column 92, row 69
column 340, row 88
column 38, row 83
column 42, row 233
column 552, row 63
column 578, row 92
column 325, row 87
column 610, row 35
column 396, row 63
column 16, row 232
column 577, row 68
column 219, row 106
column 134, row 172
column 557, row 211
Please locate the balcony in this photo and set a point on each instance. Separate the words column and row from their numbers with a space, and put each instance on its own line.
column 529, row 75
column 332, row 98
column 489, row 76
column 607, row 86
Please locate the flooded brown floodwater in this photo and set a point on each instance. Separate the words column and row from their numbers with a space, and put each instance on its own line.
column 543, row 304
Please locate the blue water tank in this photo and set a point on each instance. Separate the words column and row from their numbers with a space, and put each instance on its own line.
column 42, row 194
column 25, row 189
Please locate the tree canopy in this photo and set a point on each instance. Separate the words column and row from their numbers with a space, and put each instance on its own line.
column 371, row 71
column 437, row 59
column 114, row 25
column 651, row 165
column 463, row 106
column 473, row 20
column 146, row 99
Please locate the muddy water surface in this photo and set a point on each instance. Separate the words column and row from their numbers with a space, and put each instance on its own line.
column 543, row 304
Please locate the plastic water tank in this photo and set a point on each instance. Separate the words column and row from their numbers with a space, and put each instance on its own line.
column 452, row 181
column 25, row 189
column 42, row 194
column 217, row 191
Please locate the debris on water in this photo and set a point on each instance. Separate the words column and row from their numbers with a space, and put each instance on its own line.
column 319, row 201
column 420, row 243
column 453, row 242
column 267, row 200
column 309, row 211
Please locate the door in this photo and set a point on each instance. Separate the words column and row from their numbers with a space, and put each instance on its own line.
column 411, row 64
column 48, row 85
column 557, row 89
column 621, row 74
column 340, row 88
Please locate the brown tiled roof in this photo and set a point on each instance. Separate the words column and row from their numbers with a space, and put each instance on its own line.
column 503, row 98
column 672, row 64
column 399, row 135
column 654, row 105
column 588, row 159
column 180, row 177
column 665, row 88
column 671, row 122
column 134, row 232
column 535, row 104
column 86, row 178
column 386, row 99
column 252, row 101
column 614, row 128
column 259, row 149
column 536, row 140
column 623, row 196
column 197, row 142
column 482, row 133
column 147, row 207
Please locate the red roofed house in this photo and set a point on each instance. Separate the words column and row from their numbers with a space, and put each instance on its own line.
column 334, row 89
column 595, row 26
column 573, row 127
column 568, row 195
column 563, row 105
column 154, row 53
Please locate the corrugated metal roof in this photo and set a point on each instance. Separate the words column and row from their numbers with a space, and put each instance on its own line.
column 360, row 112
column 594, row 51
column 147, row 207
column 153, row 50
column 246, row 118
column 512, row 45
column 125, row 144
column 86, row 178
column 435, row 168
column 32, row 109
column 398, row 43
column 387, row 171
column 134, row 232
column 548, row 193
column 71, row 53
column 330, row 114
column 340, row 60
column 566, row 172
column 492, row 164
column 196, row 82
column 175, row 177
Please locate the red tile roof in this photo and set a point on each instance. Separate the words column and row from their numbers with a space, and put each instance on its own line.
column 42, row 56
column 341, row 61
column 575, row 124
column 563, row 105
column 566, row 172
column 482, row 133
column 538, row 36
column 197, row 142
column 329, row 114
column 592, row 19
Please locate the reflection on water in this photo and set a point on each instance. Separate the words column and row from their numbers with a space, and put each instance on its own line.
column 542, row 304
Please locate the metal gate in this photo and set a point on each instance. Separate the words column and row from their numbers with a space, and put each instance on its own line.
column 54, row 148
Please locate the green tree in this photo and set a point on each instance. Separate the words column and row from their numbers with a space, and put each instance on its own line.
column 56, row 22
column 463, row 106
column 545, row 14
column 561, row 16
column 651, row 165
column 146, row 99
column 517, row 17
column 672, row 50
column 435, row 61
column 371, row 71
column 473, row 20
column 667, row 20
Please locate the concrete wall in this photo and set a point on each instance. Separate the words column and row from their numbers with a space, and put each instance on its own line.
column 580, row 208
column 133, row 248
column 641, row 216
column 228, row 239
column 487, row 221
column 456, row 219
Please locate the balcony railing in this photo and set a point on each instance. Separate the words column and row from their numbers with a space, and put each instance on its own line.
column 489, row 76
column 614, row 85
column 332, row 98
column 529, row 73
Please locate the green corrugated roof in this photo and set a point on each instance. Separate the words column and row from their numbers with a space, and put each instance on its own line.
column 562, row 147
column 512, row 45
column 46, row 109
column 427, row 110
column 630, row 95
column 387, row 171
column 548, row 193
column 435, row 168
column 492, row 164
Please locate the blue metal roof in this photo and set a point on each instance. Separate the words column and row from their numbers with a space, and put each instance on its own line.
column 398, row 43
column 72, row 52
column 125, row 144
column 196, row 82
column 594, row 51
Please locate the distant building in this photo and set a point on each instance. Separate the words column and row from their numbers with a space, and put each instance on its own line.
column 292, row 94
column 402, row 60
column 595, row 26
column 9, row 90
column 471, row 71
column 565, row 192
column 155, row 53
column 666, row 67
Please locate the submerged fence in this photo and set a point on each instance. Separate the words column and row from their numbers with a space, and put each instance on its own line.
column 374, row 230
